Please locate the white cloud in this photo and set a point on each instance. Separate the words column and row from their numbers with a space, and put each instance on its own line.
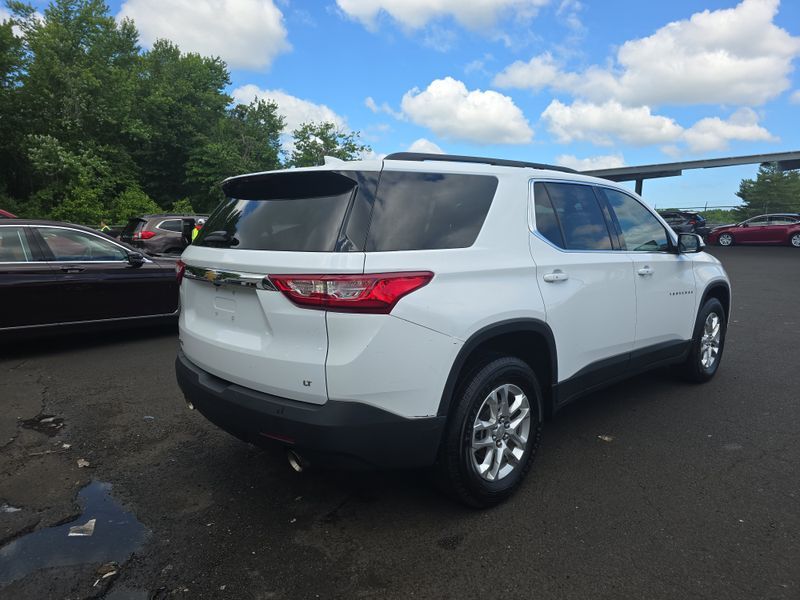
column 4, row 15
column 602, row 123
column 795, row 97
column 370, row 103
column 414, row 14
column 732, row 56
column 247, row 34
column 425, row 146
column 590, row 163
column 294, row 109
column 451, row 111
column 714, row 133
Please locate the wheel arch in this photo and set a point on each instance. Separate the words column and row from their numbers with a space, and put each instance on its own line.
column 531, row 340
column 722, row 292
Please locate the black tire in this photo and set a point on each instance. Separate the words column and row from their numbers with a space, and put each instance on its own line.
column 692, row 369
column 454, row 469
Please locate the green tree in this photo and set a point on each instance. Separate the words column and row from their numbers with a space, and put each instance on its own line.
column 247, row 140
column 772, row 190
column 182, row 207
column 180, row 103
column 132, row 202
column 314, row 141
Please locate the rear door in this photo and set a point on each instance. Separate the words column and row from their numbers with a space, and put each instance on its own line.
column 25, row 282
column 235, row 325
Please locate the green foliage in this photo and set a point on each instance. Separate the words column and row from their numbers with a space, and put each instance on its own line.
column 131, row 203
column 182, row 207
column 81, row 205
column 91, row 126
column 719, row 216
column 247, row 141
column 771, row 191
column 314, row 141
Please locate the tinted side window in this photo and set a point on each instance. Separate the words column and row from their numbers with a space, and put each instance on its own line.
column 425, row 211
column 175, row 225
column 69, row 245
column 14, row 245
column 545, row 214
column 582, row 222
column 639, row 230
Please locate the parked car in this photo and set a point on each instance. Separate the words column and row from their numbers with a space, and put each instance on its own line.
column 431, row 310
column 159, row 234
column 56, row 274
column 4, row 214
column 779, row 228
column 685, row 221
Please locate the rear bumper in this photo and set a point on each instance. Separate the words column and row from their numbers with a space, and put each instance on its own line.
column 337, row 434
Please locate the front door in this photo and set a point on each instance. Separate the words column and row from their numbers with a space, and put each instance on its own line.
column 587, row 286
column 665, row 286
column 754, row 231
column 96, row 280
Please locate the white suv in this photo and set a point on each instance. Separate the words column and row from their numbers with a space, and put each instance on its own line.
column 432, row 310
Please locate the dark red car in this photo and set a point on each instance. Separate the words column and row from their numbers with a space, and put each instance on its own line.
column 4, row 214
column 783, row 229
column 58, row 275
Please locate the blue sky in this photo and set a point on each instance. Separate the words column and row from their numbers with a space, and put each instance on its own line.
column 575, row 82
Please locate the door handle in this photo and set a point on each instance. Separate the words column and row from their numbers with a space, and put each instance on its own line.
column 645, row 271
column 557, row 275
column 73, row 269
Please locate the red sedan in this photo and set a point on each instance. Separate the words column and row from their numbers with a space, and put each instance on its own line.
column 765, row 229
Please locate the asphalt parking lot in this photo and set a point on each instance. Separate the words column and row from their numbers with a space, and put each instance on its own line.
column 696, row 495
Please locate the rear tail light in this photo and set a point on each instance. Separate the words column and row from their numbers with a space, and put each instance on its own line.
column 143, row 235
column 369, row 293
column 180, row 268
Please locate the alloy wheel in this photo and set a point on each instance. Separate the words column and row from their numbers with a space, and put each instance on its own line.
column 709, row 343
column 500, row 432
column 725, row 239
column 796, row 240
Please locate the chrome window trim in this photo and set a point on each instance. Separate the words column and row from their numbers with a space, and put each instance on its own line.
column 175, row 313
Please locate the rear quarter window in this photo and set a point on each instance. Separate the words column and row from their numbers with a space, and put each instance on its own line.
column 428, row 211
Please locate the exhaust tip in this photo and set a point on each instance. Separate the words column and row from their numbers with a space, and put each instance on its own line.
column 295, row 462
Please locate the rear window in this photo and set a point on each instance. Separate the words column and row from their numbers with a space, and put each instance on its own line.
column 300, row 212
column 131, row 226
column 426, row 211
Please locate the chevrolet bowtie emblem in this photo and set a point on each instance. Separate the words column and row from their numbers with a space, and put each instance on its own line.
column 212, row 276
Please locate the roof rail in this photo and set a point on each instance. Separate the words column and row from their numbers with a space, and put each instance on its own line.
column 500, row 162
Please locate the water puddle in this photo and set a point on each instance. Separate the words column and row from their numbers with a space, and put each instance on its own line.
column 47, row 424
column 116, row 535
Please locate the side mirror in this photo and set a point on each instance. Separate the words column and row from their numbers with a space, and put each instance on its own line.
column 744, row 224
column 689, row 243
column 135, row 259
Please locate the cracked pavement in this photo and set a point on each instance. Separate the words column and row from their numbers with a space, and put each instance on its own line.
column 696, row 496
